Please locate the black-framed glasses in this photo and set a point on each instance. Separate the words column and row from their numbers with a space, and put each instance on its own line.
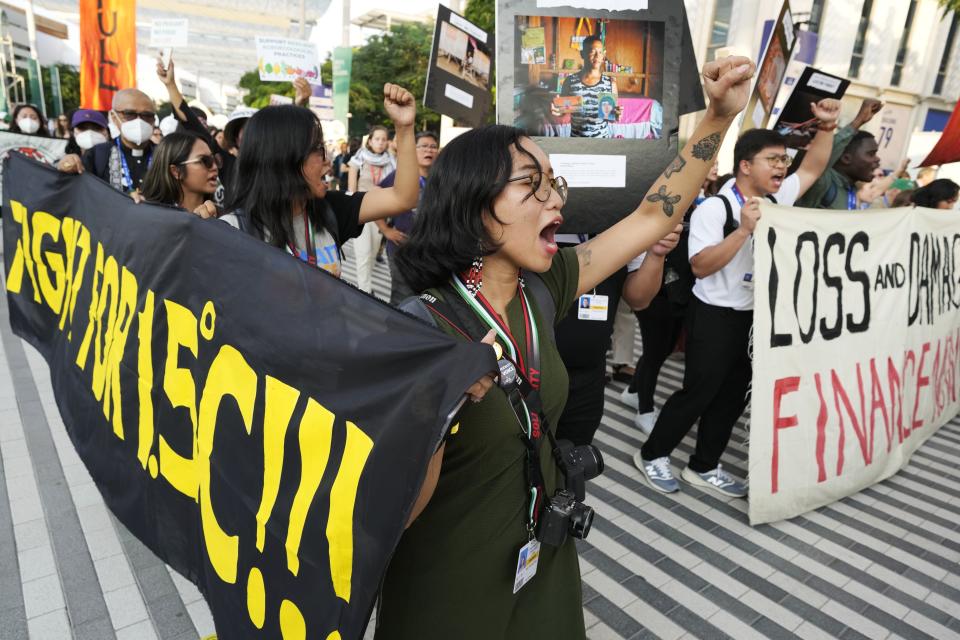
column 129, row 114
column 541, row 188
column 207, row 160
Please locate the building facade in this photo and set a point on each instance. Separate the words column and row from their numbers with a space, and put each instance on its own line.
column 903, row 52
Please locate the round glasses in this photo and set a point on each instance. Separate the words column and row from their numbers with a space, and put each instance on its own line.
column 541, row 186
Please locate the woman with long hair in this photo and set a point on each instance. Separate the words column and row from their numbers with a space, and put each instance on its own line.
column 483, row 244
column 280, row 194
column 939, row 194
column 183, row 173
column 27, row 119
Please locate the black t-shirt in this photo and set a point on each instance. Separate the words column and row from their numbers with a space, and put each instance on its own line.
column 346, row 209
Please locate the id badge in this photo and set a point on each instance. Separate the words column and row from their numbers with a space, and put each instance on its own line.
column 527, row 564
column 747, row 281
column 592, row 307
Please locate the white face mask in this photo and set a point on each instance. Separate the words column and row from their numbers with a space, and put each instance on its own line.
column 28, row 125
column 114, row 132
column 136, row 131
column 89, row 138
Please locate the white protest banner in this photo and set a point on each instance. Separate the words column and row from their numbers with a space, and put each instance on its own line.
column 46, row 150
column 856, row 345
column 286, row 59
column 172, row 32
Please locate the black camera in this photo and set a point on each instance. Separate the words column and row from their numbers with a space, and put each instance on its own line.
column 578, row 464
column 564, row 514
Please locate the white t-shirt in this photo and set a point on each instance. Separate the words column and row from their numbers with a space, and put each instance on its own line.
column 731, row 286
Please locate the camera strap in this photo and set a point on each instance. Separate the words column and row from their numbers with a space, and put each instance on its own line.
column 473, row 322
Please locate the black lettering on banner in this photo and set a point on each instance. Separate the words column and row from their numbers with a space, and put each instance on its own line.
column 812, row 238
column 834, row 282
column 913, row 274
column 102, row 82
column 776, row 339
column 862, row 239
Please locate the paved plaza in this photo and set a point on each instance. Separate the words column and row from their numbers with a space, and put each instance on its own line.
column 884, row 563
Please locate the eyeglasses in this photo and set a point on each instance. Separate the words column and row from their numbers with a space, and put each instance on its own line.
column 773, row 160
column 129, row 114
column 541, row 188
column 208, row 161
column 431, row 147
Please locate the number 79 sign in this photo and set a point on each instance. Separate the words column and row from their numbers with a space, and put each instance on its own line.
column 892, row 128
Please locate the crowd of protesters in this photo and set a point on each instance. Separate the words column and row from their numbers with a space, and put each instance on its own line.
column 477, row 222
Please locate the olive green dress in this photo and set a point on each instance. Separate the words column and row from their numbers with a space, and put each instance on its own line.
column 452, row 574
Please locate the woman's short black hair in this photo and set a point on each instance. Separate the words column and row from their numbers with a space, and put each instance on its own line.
column 159, row 185
column 587, row 46
column 466, row 178
column 268, row 179
column 427, row 134
column 753, row 142
column 15, row 128
column 937, row 191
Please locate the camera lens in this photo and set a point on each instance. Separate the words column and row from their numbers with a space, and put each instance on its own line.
column 588, row 458
column 581, row 519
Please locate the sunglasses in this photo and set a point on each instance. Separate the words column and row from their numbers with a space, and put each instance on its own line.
column 129, row 114
column 208, row 161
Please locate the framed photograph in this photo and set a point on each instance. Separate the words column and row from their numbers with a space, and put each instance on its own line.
column 604, row 103
column 458, row 78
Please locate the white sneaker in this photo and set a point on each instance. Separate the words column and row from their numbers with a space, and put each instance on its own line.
column 630, row 399
column 645, row 421
column 718, row 481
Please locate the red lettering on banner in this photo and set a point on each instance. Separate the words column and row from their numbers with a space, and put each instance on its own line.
column 840, row 393
column 937, row 380
column 903, row 432
column 896, row 398
column 821, row 431
column 922, row 381
column 781, row 388
column 877, row 402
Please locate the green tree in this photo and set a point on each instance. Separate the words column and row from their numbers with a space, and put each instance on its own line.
column 483, row 13
column 260, row 91
column 402, row 57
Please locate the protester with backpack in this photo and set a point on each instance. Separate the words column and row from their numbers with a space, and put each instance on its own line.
column 720, row 317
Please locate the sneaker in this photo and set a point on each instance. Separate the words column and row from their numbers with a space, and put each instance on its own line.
column 646, row 421
column 718, row 481
column 630, row 399
column 657, row 472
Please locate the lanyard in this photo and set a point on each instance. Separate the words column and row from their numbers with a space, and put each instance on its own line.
column 738, row 195
column 531, row 430
column 127, row 180
column 851, row 199
column 310, row 256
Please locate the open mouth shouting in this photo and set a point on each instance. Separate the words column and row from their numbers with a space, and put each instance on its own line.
column 548, row 236
column 777, row 181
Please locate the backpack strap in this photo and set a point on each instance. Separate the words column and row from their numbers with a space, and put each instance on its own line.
column 417, row 308
column 545, row 303
column 829, row 196
column 730, row 225
column 771, row 198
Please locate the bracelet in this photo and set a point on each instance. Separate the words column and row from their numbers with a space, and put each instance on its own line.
column 831, row 127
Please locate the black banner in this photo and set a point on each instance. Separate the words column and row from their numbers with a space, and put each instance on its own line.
column 263, row 427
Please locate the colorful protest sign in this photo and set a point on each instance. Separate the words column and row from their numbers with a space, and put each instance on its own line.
column 856, row 348
column 770, row 71
column 108, row 50
column 173, row 32
column 264, row 429
column 45, row 150
column 458, row 78
column 286, row 59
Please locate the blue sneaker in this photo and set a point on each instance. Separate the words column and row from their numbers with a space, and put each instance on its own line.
column 657, row 472
column 718, row 481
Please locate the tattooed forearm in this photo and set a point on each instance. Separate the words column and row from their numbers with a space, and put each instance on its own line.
column 707, row 148
column 675, row 167
column 667, row 201
column 584, row 253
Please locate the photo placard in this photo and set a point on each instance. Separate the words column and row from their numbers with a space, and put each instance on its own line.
column 461, row 64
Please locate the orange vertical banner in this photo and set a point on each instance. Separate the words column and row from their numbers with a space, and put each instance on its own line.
column 108, row 50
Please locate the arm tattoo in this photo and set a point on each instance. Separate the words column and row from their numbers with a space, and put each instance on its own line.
column 668, row 200
column 675, row 167
column 707, row 148
column 584, row 253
